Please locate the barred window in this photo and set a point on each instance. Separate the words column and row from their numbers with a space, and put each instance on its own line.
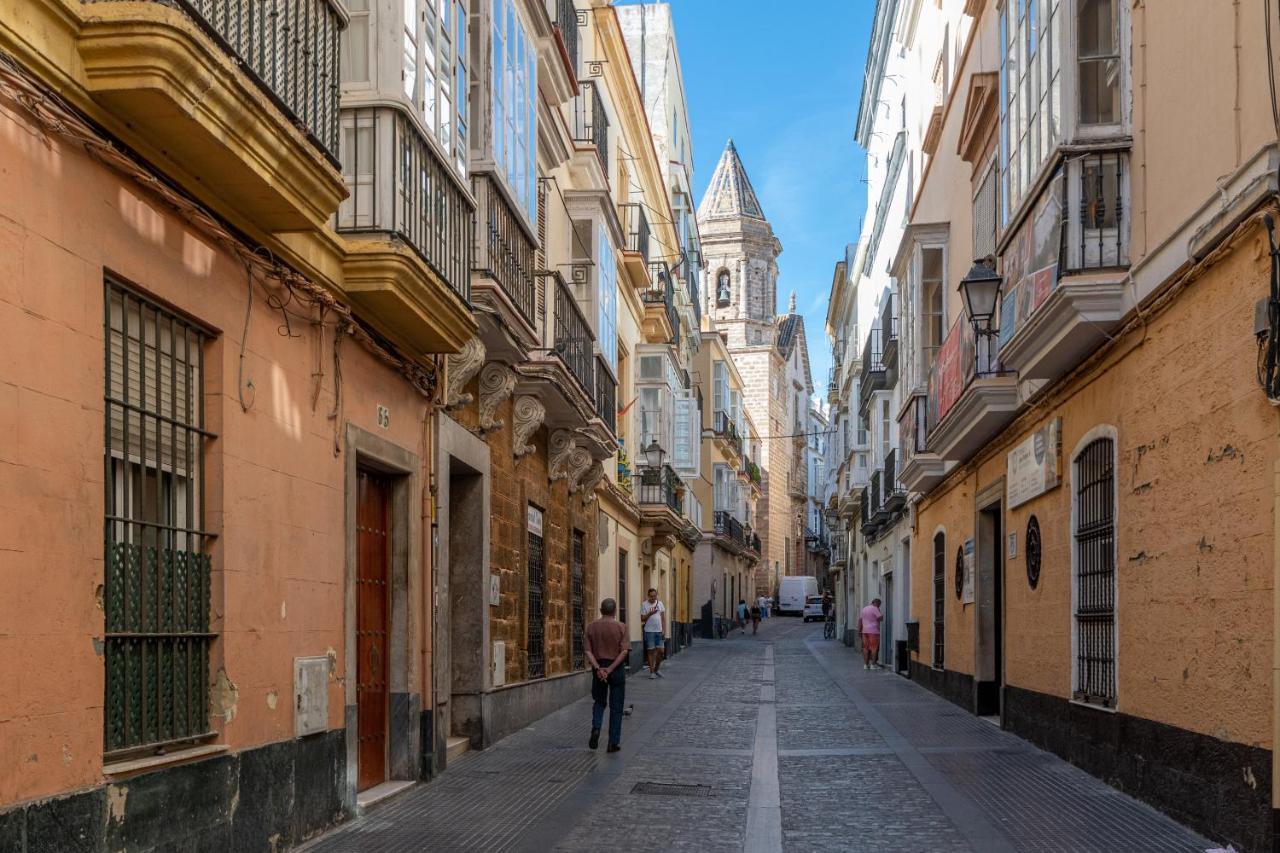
column 536, row 649
column 579, row 569
column 939, row 597
column 157, row 585
column 1095, row 574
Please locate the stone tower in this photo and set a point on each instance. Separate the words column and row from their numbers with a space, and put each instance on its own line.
column 742, row 255
column 769, row 351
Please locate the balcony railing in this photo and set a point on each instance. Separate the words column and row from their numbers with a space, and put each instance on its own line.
column 564, row 19
column 503, row 250
column 889, row 335
column 290, row 50
column 755, row 542
column 689, row 269
column 1097, row 234
column 962, row 358
column 873, row 377
column 573, row 339
column 398, row 186
column 894, row 493
column 729, row 527
column 661, row 291
column 636, row 225
column 606, row 396
column 724, row 427
column 660, row 487
column 590, row 124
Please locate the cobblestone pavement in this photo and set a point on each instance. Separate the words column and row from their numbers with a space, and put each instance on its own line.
column 775, row 742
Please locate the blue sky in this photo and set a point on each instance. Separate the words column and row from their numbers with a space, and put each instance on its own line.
column 783, row 79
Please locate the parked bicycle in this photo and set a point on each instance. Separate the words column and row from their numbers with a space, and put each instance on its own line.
column 829, row 628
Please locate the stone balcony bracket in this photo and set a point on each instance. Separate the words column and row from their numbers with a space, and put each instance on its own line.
column 1074, row 320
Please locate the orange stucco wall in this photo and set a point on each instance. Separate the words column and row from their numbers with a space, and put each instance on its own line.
column 1195, row 527
column 275, row 488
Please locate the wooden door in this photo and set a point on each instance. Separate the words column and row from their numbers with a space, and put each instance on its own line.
column 373, row 547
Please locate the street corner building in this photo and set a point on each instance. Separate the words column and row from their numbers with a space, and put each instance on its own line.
column 1055, row 389
column 335, row 395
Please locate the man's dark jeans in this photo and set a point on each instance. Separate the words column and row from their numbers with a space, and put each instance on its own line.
column 613, row 693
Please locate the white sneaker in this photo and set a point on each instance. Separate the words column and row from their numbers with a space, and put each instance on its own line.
column 659, row 674
column 652, row 676
column 866, row 666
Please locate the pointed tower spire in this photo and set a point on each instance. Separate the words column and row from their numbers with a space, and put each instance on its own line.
column 730, row 193
column 791, row 305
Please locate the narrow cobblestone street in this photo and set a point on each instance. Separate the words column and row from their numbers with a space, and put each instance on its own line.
column 775, row 742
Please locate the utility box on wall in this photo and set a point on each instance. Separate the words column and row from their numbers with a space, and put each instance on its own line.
column 310, row 695
column 499, row 663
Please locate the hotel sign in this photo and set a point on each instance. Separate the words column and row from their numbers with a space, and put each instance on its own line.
column 1035, row 465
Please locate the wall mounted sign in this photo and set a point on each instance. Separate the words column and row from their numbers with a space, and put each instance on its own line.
column 1034, row 466
column 1031, row 262
column 535, row 520
column 495, row 590
column 384, row 417
column 966, row 596
column 1033, row 552
column 1013, row 545
column 959, row 573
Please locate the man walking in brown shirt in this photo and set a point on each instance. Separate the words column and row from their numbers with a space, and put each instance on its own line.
column 607, row 648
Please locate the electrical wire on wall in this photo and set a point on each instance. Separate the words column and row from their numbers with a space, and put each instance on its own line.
column 1269, row 338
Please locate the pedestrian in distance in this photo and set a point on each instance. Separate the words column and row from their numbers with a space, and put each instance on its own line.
column 763, row 604
column 652, row 616
column 869, row 628
column 606, row 647
column 742, row 615
column 755, row 618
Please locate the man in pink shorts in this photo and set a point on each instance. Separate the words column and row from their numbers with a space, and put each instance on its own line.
column 869, row 628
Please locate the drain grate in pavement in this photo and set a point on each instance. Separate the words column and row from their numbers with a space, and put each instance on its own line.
column 666, row 789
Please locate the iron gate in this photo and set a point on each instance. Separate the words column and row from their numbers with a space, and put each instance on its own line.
column 1095, row 574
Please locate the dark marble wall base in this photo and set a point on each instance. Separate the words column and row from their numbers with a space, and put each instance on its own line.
column 955, row 687
column 263, row 799
column 426, row 736
column 1219, row 788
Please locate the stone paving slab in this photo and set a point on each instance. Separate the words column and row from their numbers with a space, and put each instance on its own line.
column 857, row 761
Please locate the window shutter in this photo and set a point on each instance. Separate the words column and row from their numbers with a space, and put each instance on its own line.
column 720, row 388
column 684, row 424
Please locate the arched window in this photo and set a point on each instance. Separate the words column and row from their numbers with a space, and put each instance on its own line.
column 723, row 294
column 1094, row 566
column 939, row 596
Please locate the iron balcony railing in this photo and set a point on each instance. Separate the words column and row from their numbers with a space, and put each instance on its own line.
column 865, row 507
column 503, row 250
column 894, row 493
column 590, row 124
column 573, row 342
column 606, row 396
column 398, row 186
column 1097, row 234
column 689, row 273
column 729, row 527
column 662, row 292
column 755, row 542
column 564, row 19
column 724, row 426
column 636, row 226
column 660, row 487
column 289, row 48
column 872, row 367
column 889, row 335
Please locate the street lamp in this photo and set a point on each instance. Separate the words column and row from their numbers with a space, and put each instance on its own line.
column 653, row 454
column 981, row 291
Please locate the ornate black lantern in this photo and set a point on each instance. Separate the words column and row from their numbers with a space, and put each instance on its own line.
column 981, row 292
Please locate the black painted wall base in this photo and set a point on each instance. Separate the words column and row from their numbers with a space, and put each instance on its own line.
column 427, row 737
column 955, row 687
column 1219, row 788
column 261, row 799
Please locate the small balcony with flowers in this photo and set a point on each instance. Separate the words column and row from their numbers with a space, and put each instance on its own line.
column 242, row 95
column 1066, row 265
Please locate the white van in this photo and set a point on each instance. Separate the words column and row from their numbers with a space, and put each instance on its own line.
column 793, row 592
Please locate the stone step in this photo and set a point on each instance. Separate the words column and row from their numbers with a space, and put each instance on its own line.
column 456, row 747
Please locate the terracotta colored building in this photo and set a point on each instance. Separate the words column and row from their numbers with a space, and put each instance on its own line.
column 1090, row 461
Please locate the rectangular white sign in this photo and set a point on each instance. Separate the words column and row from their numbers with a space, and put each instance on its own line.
column 1034, row 466
column 535, row 520
column 967, row 597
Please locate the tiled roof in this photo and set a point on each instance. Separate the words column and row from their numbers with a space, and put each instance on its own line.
column 730, row 195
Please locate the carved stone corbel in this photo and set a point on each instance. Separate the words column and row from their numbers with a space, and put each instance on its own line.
column 463, row 366
column 580, row 460
column 497, row 381
column 528, row 414
column 559, row 448
column 590, row 480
